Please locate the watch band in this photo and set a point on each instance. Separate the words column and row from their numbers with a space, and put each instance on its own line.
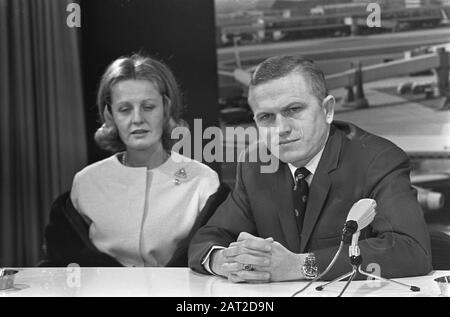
column 309, row 268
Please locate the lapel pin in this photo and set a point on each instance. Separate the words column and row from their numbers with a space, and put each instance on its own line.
column 181, row 173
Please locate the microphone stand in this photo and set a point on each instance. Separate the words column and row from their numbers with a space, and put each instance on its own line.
column 355, row 261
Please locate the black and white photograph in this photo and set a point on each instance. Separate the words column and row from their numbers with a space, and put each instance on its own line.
column 233, row 151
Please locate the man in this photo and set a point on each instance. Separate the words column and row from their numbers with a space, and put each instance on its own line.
column 287, row 225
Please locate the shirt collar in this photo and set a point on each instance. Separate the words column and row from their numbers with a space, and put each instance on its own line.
column 311, row 165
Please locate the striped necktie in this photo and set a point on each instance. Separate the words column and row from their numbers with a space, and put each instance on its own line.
column 301, row 190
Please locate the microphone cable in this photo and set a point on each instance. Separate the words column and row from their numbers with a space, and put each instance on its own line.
column 324, row 272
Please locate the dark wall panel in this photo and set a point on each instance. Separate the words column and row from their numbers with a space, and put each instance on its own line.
column 179, row 32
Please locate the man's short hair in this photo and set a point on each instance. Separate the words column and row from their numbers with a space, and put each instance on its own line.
column 280, row 66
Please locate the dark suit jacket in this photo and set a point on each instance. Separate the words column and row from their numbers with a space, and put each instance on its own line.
column 355, row 164
column 67, row 235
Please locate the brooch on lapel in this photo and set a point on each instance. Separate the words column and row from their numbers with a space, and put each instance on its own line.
column 181, row 173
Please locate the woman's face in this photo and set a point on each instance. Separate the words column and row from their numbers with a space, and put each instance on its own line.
column 138, row 112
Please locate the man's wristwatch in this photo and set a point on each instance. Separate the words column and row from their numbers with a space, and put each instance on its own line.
column 309, row 267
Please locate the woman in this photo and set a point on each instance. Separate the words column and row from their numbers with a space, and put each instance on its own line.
column 143, row 200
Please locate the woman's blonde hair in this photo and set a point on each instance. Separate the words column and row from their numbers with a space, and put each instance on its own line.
column 139, row 67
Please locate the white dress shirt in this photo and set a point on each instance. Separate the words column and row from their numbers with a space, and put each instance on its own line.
column 311, row 166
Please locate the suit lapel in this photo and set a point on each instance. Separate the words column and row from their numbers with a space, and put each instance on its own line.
column 320, row 185
column 282, row 187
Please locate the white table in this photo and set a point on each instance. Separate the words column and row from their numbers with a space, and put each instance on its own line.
column 168, row 282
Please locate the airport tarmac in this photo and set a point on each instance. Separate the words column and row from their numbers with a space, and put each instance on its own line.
column 390, row 114
column 333, row 48
column 333, row 55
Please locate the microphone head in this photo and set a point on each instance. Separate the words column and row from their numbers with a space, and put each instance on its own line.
column 363, row 212
column 360, row 216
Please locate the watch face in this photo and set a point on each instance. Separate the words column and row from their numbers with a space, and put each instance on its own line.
column 309, row 268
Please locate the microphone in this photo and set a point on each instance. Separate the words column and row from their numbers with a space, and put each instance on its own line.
column 360, row 216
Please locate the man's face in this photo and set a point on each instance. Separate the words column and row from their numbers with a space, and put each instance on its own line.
column 292, row 121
